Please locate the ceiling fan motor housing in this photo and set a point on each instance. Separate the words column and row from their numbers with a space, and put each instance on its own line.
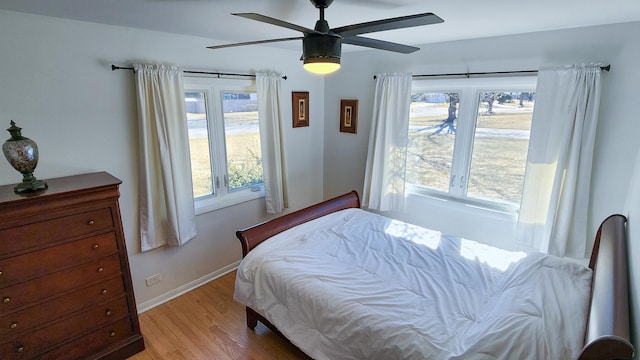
column 323, row 47
column 321, row 4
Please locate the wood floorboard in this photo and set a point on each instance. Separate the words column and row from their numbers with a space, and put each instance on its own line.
column 207, row 324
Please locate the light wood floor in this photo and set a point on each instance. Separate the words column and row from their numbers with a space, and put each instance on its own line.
column 207, row 324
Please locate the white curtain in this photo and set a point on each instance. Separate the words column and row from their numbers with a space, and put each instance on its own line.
column 387, row 154
column 167, row 215
column 555, row 199
column 269, row 95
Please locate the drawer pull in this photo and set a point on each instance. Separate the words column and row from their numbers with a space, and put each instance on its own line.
column 112, row 333
column 0, row 272
column 95, row 246
column 6, row 299
column 104, row 291
column 91, row 222
column 100, row 269
column 20, row 349
column 13, row 325
column 107, row 313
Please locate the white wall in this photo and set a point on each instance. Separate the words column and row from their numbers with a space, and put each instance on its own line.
column 616, row 141
column 632, row 211
column 56, row 83
column 345, row 154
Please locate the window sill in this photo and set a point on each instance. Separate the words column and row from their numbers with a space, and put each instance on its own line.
column 203, row 206
column 510, row 210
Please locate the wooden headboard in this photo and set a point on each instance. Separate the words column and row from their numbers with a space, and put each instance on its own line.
column 607, row 335
column 252, row 236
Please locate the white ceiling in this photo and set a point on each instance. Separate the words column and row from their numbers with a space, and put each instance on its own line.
column 464, row 19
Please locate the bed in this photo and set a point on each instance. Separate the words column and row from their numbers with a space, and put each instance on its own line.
column 342, row 283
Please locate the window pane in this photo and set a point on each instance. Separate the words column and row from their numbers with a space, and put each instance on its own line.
column 500, row 146
column 432, row 130
column 199, row 144
column 242, row 134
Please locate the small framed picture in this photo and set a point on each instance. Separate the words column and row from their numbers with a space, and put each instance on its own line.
column 300, row 108
column 349, row 116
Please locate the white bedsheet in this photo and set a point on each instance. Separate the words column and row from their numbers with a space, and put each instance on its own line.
column 356, row 285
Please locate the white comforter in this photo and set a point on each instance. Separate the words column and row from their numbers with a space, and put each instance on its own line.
column 356, row 285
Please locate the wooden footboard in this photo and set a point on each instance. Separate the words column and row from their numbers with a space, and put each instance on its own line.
column 252, row 236
column 607, row 334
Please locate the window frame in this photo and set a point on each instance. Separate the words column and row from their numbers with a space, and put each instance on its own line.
column 469, row 93
column 212, row 88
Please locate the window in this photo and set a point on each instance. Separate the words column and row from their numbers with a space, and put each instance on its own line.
column 468, row 139
column 224, row 142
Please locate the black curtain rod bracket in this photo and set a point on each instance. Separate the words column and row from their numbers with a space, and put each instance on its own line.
column 218, row 74
column 468, row 74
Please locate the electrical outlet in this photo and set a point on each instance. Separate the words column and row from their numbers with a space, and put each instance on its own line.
column 153, row 279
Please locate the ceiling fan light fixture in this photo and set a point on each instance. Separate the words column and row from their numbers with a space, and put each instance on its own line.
column 321, row 53
column 321, row 66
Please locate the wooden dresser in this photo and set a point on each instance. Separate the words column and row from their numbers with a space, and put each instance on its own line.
column 65, row 285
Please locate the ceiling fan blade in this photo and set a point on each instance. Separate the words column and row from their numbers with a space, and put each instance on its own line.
column 277, row 22
column 388, row 24
column 253, row 42
column 379, row 44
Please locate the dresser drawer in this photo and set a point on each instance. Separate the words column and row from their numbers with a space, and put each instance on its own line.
column 96, row 341
column 36, row 342
column 11, row 325
column 56, row 284
column 26, row 267
column 55, row 230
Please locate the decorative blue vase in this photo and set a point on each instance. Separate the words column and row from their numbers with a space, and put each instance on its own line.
column 22, row 154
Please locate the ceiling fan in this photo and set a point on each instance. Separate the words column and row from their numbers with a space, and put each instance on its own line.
column 321, row 47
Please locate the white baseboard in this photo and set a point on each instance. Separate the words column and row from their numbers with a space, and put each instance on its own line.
column 159, row 300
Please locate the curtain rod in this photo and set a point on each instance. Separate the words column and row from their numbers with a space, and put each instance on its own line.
column 468, row 74
column 218, row 74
